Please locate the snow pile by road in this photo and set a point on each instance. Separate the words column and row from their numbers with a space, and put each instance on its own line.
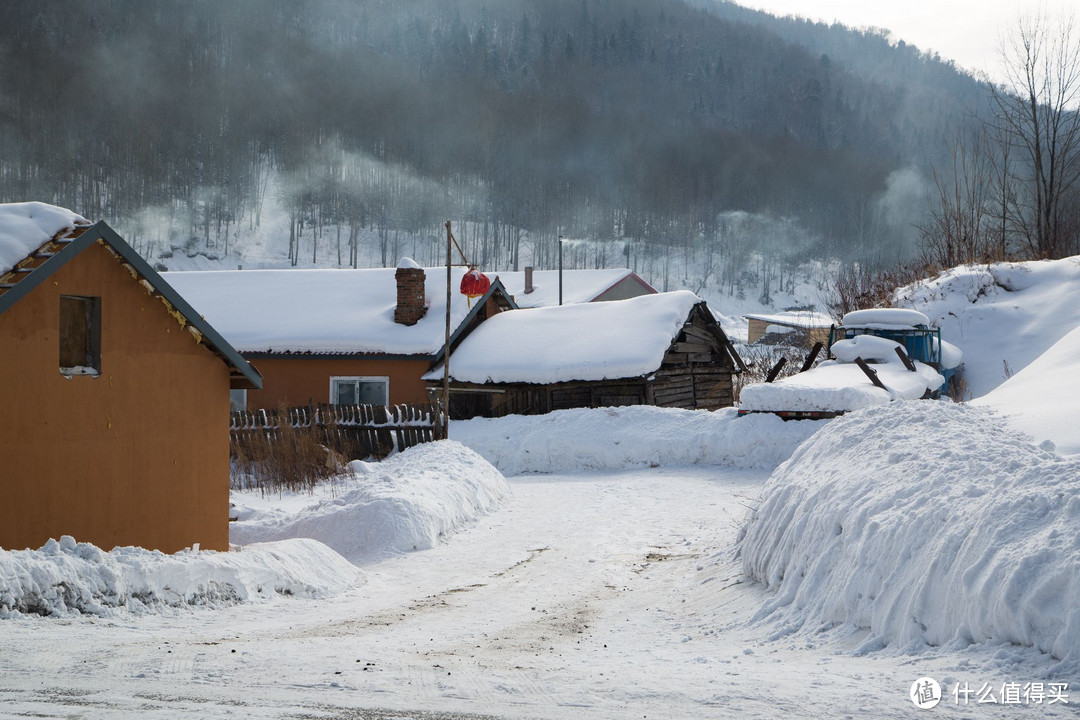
column 407, row 502
column 68, row 578
column 1003, row 316
column 927, row 523
column 634, row 436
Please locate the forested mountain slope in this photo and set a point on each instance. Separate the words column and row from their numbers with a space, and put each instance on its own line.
column 644, row 119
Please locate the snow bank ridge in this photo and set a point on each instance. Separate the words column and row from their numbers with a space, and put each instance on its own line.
column 926, row 523
column 619, row 437
column 404, row 503
column 69, row 578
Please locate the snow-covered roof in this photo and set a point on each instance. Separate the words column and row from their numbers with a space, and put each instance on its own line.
column 579, row 286
column 589, row 341
column 808, row 319
column 320, row 311
column 26, row 226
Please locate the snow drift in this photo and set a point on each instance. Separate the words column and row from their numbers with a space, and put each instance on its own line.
column 927, row 523
column 407, row 502
column 617, row 438
column 1042, row 399
column 67, row 578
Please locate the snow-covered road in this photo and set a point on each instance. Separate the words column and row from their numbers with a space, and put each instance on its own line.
column 604, row 595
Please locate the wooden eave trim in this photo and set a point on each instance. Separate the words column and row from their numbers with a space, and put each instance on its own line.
column 207, row 334
column 714, row 327
column 424, row 357
column 645, row 379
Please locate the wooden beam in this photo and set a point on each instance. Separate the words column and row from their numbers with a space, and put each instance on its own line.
column 675, row 399
column 692, row 331
column 776, row 369
column 905, row 359
column 811, row 357
column 870, row 373
column 691, row 347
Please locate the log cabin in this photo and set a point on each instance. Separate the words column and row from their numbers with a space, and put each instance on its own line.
column 663, row 349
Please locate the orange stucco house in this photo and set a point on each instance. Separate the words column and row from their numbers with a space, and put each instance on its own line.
column 338, row 336
column 114, row 426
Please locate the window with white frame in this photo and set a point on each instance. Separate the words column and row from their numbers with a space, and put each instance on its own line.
column 364, row 390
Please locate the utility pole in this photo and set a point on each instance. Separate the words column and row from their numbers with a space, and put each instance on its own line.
column 446, row 347
column 561, row 270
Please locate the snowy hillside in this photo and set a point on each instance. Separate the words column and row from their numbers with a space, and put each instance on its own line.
column 1017, row 326
column 1002, row 316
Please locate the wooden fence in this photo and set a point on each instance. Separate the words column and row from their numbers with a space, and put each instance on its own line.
column 351, row 431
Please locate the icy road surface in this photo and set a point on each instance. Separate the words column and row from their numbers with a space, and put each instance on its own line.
column 604, row 595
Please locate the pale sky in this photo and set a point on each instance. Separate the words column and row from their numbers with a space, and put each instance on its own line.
column 966, row 31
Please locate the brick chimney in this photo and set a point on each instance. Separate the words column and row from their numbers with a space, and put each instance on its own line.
column 410, row 292
column 528, row 280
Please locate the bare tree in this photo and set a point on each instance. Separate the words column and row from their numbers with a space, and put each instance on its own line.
column 1036, row 114
column 960, row 228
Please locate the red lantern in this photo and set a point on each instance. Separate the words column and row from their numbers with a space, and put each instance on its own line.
column 474, row 284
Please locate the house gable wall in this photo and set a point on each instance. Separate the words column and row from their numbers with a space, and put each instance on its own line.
column 136, row 456
column 697, row 371
column 629, row 287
